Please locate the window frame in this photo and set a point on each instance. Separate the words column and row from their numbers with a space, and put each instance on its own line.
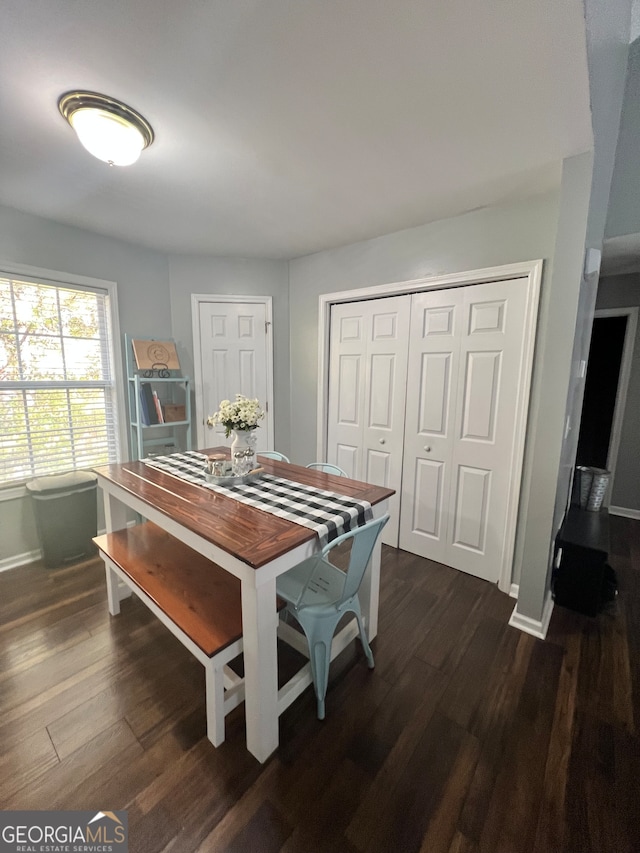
column 38, row 275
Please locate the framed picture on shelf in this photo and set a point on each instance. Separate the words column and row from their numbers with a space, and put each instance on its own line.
column 151, row 355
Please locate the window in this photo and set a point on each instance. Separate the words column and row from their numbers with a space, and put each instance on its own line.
column 57, row 391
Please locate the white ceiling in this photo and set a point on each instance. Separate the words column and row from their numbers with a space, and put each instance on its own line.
column 287, row 126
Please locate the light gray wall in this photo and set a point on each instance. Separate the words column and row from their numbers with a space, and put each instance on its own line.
column 241, row 277
column 154, row 300
column 144, row 306
column 624, row 206
column 544, row 476
column 142, row 275
column 608, row 29
column 623, row 291
column 608, row 26
column 585, row 194
column 491, row 237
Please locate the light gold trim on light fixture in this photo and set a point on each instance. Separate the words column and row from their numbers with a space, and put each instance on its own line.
column 73, row 103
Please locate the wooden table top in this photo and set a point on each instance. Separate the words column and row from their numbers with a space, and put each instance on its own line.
column 251, row 535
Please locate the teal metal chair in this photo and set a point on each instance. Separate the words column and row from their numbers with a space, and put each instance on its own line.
column 318, row 594
column 327, row 468
column 273, row 454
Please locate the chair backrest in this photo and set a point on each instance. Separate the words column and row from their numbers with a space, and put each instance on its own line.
column 273, row 454
column 364, row 540
column 327, row 467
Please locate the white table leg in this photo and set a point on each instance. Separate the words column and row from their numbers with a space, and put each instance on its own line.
column 113, row 593
column 115, row 516
column 369, row 593
column 259, row 630
column 115, row 513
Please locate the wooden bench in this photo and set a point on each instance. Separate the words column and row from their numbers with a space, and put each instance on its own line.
column 196, row 599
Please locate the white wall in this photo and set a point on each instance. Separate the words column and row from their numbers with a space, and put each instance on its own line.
column 624, row 207
column 241, row 277
column 491, row 237
column 546, row 480
column 608, row 27
column 623, row 291
column 154, row 300
column 142, row 277
column 584, row 200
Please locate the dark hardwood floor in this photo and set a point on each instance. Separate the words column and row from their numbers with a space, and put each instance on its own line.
column 468, row 735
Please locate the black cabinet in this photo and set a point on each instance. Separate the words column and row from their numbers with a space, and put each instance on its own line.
column 581, row 581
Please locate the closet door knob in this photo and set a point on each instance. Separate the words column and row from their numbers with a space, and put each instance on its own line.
column 382, row 441
column 427, row 448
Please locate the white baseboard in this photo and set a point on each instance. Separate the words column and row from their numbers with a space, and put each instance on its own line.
column 624, row 512
column 537, row 628
column 31, row 556
column 19, row 560
column 514, row 590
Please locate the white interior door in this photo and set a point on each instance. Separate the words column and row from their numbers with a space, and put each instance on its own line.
column 234, row 359
column 465, row 357
column 367, row 388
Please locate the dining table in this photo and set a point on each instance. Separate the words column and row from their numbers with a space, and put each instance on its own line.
column 254, row 546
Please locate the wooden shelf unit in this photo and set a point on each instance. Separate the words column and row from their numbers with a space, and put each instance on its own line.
column 172, row 390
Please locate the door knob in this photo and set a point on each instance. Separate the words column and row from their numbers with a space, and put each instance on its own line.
column 382, row 441
column 427, row 448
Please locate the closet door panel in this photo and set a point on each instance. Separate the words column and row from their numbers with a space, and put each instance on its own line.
column 367, row 388
column 427, row 513
column 491, row 352
column 434, row 346
column 386, row 384
column 348, row 333
column 424, row 398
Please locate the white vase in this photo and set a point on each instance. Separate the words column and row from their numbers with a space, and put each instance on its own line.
column 243, row 452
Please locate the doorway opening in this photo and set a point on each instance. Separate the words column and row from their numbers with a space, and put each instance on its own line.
column 605, row 393
column 600, row 390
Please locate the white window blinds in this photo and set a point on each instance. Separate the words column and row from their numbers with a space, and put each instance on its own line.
column 57, row 392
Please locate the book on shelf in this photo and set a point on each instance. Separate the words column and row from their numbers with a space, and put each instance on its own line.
column 144, row 412
column 158, row 407
column 146, row 392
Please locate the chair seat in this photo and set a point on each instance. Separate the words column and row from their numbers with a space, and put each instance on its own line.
column 313, row 585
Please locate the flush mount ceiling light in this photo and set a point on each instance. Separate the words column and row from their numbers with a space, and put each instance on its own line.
column 108, row 129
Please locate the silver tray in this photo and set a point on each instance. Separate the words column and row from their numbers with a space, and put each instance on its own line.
column 230, row 480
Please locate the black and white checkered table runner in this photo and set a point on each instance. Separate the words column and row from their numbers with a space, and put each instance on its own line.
column 328, row 513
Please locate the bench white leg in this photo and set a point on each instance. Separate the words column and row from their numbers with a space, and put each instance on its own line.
column 113, row 595
column 116, row 588
column 214, row 691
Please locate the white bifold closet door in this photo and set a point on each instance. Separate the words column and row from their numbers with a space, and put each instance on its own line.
column 465, row 355
column 368, row 370
column 423, row 398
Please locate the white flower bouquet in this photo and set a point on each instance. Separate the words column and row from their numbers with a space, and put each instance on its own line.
column 241, row 414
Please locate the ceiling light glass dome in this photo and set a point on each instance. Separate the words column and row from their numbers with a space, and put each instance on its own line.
column 108, row 129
